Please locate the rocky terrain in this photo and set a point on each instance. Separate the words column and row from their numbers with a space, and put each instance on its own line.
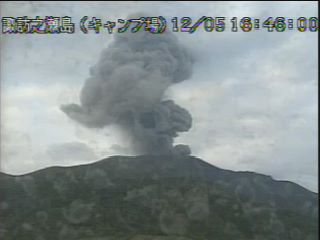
column 166, row 197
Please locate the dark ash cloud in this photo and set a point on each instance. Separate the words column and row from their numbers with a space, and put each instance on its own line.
column 126, row 88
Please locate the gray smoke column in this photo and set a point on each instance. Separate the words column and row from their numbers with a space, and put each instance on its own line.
column 126, row 88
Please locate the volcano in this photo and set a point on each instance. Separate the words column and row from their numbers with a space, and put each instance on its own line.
column 154, row 197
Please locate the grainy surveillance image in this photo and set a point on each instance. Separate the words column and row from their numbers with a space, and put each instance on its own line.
column 159, row 120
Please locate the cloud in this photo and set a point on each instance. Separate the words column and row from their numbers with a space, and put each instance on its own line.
column 70, row 153
column 126, row 88
column 15, row 146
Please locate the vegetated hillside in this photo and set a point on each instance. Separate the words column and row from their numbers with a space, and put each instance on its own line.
column 167, row 197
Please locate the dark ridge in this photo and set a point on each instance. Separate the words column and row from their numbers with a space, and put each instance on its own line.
column 154, row 197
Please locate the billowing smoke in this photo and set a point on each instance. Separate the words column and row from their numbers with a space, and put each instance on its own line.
column 126, row 88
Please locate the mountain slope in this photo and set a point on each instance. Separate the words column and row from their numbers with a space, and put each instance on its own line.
column 166, row 197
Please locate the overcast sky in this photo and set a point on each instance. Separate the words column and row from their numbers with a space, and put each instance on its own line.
column 252, row 96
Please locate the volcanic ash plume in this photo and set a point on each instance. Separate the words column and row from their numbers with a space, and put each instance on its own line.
column 126, row 88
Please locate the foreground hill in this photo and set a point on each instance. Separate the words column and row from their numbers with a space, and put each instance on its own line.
column 154, row 198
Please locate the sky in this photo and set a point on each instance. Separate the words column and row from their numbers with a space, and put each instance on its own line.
column 253, row 95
